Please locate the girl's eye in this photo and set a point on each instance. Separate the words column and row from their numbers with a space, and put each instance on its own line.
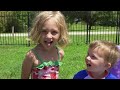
column 54, row 33
column 43, row 31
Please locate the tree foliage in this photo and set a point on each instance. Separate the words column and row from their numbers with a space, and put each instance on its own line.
column 22, row 20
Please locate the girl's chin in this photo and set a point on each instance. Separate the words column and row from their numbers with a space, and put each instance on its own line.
column 48, row 47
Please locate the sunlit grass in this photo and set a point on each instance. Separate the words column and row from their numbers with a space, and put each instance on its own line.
column 11, row 58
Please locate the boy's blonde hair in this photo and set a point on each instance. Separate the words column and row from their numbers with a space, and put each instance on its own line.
column 59, row 19
column 109, row 50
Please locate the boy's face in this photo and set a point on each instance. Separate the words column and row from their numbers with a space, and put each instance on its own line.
column 49, row 34
column 95, row 61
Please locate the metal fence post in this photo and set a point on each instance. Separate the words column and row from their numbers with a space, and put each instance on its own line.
column 28, row 28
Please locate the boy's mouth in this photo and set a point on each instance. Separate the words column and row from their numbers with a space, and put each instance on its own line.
column 88, row 65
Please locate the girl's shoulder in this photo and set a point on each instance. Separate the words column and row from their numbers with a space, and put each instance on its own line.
column 30, row 54
column 61, row 53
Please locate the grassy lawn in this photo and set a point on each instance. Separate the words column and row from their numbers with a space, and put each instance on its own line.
column 11, row 58
column 10, row 61
column 73, row 60
column 82, row 27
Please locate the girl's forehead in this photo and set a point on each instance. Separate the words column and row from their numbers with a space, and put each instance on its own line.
column 51, row 21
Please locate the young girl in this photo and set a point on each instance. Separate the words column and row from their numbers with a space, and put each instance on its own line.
column 102, row 55
column 49, row 32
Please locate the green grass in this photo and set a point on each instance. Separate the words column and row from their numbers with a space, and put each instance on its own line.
column 10, row 61
column 83, row 27
column 11, row 58
column 73, row 60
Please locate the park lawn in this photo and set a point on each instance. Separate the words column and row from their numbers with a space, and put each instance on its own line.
column 11, row 58
column 83, row 27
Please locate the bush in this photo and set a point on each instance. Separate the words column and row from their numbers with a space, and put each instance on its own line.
column 13, row 22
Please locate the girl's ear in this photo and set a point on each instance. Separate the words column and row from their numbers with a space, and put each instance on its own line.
column 108, row 65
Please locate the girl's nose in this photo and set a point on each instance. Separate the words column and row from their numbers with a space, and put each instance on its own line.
column 49, row 35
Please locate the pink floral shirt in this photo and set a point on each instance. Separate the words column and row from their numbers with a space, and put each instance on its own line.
column 46, row 72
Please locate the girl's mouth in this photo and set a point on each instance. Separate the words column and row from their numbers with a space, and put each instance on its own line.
column 48, row 43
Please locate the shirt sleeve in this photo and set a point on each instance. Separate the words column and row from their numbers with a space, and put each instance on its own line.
column 80, row 75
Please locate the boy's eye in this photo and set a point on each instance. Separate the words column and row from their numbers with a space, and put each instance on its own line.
column 93, row 57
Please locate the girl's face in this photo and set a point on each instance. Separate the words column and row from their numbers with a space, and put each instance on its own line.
column 95, row 61
column 49, row 34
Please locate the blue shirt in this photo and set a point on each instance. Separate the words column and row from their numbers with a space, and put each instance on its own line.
column 83, row 74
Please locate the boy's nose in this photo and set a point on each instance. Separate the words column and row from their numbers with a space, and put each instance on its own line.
column 88, row 58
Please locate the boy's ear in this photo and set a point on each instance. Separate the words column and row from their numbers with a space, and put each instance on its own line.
column 108, row 65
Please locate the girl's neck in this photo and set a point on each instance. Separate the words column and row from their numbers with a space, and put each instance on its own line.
column 51, row 54
column 45, row 50
column 97, row 75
